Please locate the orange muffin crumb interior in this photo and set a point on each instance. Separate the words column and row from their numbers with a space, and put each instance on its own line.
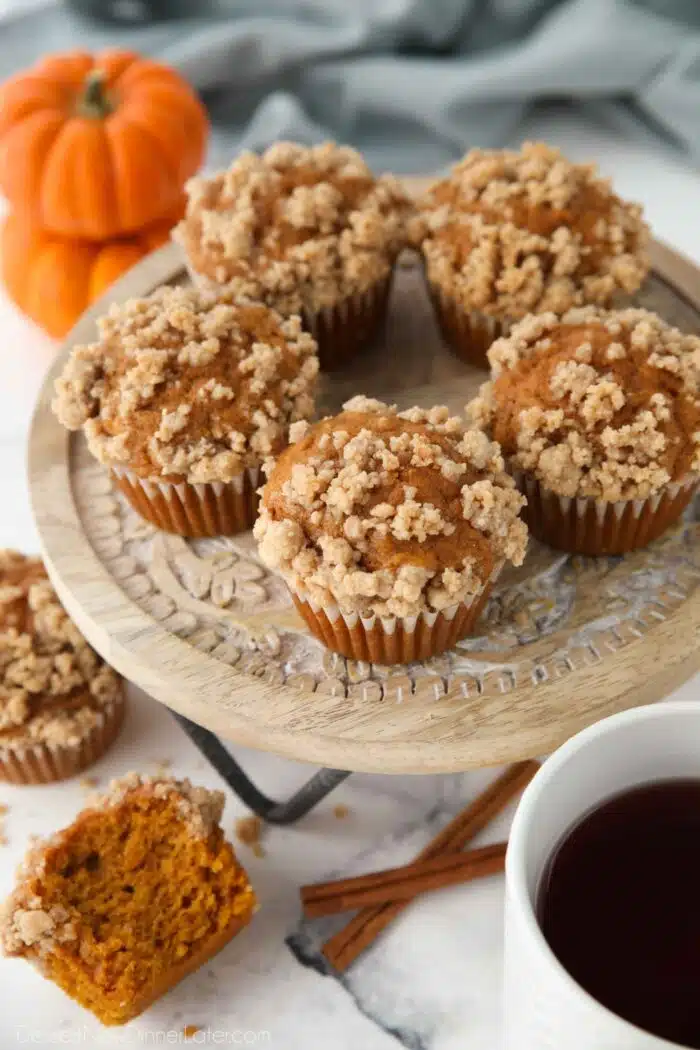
column 136, row 893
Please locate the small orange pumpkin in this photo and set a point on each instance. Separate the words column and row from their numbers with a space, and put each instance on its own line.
column 53, row 279
column 98, row 146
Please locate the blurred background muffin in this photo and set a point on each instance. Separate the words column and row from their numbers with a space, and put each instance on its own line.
column 62, row 706
column 511, row 233
column 306, row 230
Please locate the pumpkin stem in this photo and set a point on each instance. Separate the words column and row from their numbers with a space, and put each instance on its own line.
column 94, row 102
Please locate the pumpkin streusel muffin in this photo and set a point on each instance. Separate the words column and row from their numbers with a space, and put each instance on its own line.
column 390, row 528
column 512, row 233
column 598, row 414
column 137, row 893
column 61, row 706
column 183, row 396
column 308, row 230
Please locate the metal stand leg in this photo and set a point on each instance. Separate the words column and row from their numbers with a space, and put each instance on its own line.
column 304, row 800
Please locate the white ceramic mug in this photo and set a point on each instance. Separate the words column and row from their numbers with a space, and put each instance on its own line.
column 545, row 1009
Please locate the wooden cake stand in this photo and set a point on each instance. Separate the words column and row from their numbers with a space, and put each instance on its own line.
column 203, row 627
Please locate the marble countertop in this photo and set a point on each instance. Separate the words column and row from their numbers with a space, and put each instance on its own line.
column 433, row 981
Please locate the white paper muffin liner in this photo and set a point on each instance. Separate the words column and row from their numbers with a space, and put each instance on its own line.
column 392, row 639
column 588, row 526
column 44, row 762
column 341, row 329
column 215, row 508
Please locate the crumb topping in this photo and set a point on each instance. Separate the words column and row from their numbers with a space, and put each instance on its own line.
column 510, row 233
column 184, row 385
column 27, row 920
column 298, row 228
column 387, row 512
column 53, row 687
column 200, row 809
column 602, row 404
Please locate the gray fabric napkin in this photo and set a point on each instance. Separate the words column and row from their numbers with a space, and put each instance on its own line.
column 413, row 83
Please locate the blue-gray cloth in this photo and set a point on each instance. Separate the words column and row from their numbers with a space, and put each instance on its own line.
column 412, row 83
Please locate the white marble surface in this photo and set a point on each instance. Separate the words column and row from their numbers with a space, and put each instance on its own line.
column 433, row 982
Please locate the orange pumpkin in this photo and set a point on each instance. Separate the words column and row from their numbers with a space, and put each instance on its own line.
column 53, row 279
column 98, row 146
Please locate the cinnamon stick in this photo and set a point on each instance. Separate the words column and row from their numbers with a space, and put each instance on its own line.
column 403, row 883
column 349, row 942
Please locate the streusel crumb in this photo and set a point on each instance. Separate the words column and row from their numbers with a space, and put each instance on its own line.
column 387, row 512
column 185, row 385
column 53, row 687
column 511, row 233
column 298, row 228
column 603, row 404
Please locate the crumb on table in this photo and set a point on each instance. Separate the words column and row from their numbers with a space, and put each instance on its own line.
column 341, row 811
column 248, row 831
column 191, row 1030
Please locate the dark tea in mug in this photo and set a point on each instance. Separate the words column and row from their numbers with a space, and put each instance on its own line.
column 619, row 905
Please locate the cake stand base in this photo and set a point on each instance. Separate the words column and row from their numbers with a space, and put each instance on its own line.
column 298, row 805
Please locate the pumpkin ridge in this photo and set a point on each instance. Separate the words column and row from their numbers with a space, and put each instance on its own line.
column 133, row 219
column 173, row 168
column 35, row 134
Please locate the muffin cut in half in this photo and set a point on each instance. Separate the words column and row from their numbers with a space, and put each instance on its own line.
column 308, row 230
column 61, row 705
column 390, row 528
column 598, row 415
column 139, row 891
column 512, row 233
column 182, row 396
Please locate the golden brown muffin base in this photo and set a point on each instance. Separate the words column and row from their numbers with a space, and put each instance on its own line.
column 44, row 763
column 196, row 511
column 588, row 526
column 401, row 646
column 468, row 333
column 349, row 326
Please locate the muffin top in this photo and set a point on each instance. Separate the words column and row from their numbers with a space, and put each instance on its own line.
column 387, row 512
column 296, row 227
column 511, row 233
column 183, row 385
column 53, row 687
column 604, row 404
